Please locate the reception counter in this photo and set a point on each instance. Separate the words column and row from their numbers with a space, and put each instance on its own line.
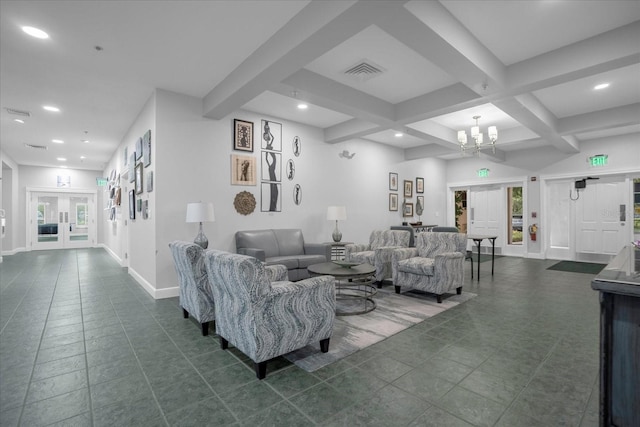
column 619, row 287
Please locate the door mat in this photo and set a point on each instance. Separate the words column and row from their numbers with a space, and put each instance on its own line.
column 577, row 267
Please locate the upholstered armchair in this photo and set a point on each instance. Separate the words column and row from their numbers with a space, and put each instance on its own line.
column 378, row 251
column 195, row 296
column 435, row 265
column 265, row 319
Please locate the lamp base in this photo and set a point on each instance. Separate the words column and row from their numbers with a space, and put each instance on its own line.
column 337, row 235
column 201, row 240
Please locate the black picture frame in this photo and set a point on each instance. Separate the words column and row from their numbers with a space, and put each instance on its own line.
column 393, row 202
column 146, row 148
column 419, row 185
column 408, row 210
column 139, row 188
column 139, row 148
column 393, row 181
column 242, row 135
column 408, row 188
column 132, row 204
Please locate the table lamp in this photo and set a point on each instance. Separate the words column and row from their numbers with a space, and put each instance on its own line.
column 200, row 212
column 336, row 213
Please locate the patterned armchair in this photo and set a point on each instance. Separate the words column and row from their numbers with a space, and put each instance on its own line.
column 195, row 294
column 435, row 265
column 266, row 319
column 378, row 252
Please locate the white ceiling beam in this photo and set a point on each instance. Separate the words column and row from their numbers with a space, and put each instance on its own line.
column 425, row 151
column 350, row 129
column 429, row 29
column 532, row 114
column 597, row 120
column 442, row 101
column 316, row 29
column 327, row 93
column 607, row 51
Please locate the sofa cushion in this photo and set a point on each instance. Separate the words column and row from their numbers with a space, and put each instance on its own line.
column 261, row 239
column 305, row 261
column 421, row 266
column 288, row 261
column 290, row 241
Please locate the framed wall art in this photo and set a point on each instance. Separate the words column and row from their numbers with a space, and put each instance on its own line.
column 271, row 166
column 146, row 148
column 393, row 202
column 139, row 188
column 291, row 169
column 408, row 188
column 271, row 136
column 271, row 197
column 149, row 181
column 419, row 185
column 138, row 148
column 132, row 204
column 297, row 147
column 393, row 181
column 242, row 135
column 297, row 194
column 132, row 166
column 408, row 210
column 243, row 170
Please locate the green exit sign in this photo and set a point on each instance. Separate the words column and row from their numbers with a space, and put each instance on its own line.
column 101, row 182
column 598, row 160
column 483, row 173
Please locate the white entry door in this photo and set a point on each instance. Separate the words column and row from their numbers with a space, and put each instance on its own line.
column 62, row 220
column 485, row 212
column 603, row 218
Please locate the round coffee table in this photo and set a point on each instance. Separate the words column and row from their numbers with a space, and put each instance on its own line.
column 353, row 285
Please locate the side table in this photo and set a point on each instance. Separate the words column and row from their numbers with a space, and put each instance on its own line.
column 338, row 250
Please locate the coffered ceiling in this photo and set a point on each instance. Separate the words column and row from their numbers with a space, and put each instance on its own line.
column 527, row 67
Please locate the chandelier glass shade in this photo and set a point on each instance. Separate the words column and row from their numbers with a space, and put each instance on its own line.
column 478, row 137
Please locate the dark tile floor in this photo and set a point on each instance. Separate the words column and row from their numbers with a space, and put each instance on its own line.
column 82, row 344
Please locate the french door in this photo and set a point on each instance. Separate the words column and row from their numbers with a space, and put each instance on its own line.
column 62, row 220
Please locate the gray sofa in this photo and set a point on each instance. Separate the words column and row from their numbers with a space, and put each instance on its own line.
column 283, row 246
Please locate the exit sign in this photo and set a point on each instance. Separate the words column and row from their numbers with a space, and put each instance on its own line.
column 101, row 182
column 483, row 173
column 598, row 160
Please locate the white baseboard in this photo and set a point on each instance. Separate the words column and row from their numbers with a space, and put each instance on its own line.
column 13, row 251
column 113, row 254
column 535, row 255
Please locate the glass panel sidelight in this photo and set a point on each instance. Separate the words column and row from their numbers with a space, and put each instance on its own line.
column 514, row 215
column 79, row 219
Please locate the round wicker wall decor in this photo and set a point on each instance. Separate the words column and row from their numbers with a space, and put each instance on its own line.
column 244, row 203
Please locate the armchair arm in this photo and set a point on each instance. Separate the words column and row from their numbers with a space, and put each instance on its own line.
column 318, row 249
column 447, row 261
column 254, row 252
column 354, row 247
column 384, row 253
column 277, row 272
column 398, row 255
column 323, row 283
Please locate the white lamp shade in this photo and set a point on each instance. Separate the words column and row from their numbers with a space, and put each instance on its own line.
column 480, row 139
column 475, row 131
column 336, row 213
column 462, row 137
column 200, row 212
column 493, row 133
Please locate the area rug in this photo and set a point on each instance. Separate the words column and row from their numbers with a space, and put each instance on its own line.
column 394, row 313
column 577, row 267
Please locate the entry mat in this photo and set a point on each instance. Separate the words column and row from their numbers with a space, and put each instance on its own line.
column 577, row 267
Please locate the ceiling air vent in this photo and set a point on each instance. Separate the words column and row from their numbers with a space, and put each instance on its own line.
column 364, row 70
column 36, row 147
column 18, row 112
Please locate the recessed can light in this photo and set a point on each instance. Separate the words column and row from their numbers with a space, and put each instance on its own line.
column 51, row 108
column 19, row 121
column 398, row 134
column 601, row 86
column 61, row 159
column 82, row 157
column 303, row 106
column 35, row 32
column 86, row 141
column 57, row 141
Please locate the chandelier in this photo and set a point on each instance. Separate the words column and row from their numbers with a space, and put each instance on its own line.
column 478, row 138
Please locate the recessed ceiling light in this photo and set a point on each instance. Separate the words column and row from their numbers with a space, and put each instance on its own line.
column 35, row 32
column 51, row 108
column 57, row 141
column 601, row 86
column 19, row 121
column 61, row 159
column 86, row 141
column 303, row 106
column 82, row 157
column 398, row 134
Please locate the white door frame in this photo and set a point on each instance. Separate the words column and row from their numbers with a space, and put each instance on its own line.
column 92, row 194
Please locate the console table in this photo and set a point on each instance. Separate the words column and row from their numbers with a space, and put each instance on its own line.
column 478, row 238
column 619, row 287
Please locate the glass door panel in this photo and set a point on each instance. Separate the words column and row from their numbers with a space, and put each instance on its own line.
column 62, row 220
column 48, row 221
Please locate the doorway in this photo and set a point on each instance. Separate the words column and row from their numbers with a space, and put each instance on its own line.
column 59, row 220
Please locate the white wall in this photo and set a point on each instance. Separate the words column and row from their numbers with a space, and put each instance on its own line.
column 9, row 202
column 192, row 158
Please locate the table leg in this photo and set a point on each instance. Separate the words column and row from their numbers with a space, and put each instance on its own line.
column 493, row 253
column 478, row 244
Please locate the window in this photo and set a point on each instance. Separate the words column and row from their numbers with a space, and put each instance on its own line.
column 514, row 214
